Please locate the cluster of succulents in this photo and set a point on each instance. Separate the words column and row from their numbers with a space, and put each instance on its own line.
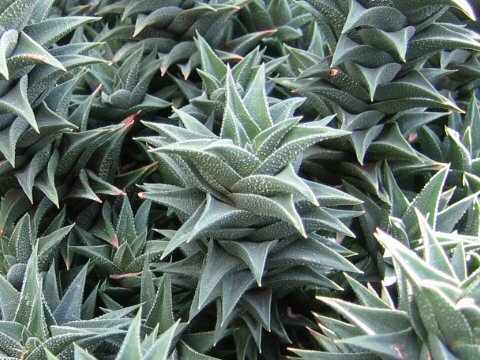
column 241, row 179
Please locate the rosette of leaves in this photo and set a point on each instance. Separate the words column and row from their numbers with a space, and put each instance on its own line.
column 46, row 315
column 374, row 78
column 459, row 147
column 389, row 202
column 437, row 313
column 36, row 126
column 248, row 132
column 18, row 246
column 464, row 71
column 248, row 217
column 81, row 164
column 117, row 243
column 152, row 347
column 286, row 19
column 123, row 88
column 122, row 257
column 462, row 64
column 169, row 28
column 30, row 66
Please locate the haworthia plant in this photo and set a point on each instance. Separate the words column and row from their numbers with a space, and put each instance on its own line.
column 435, row 316
column 241, row 179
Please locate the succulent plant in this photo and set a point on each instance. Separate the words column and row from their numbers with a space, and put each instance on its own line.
column 117, row 244
column 169, row 28
column 40, row 317
column 436, row 315
column 123, row 88
column 30, row 67
column 289, row 152
column 372, row 78
column 241, row 201
column 154, row 346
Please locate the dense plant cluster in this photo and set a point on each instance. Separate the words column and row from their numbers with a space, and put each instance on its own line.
column 241, row 179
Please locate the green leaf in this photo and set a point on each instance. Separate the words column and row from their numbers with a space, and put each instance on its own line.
column 426, row 202
column 435, row 256
column 462, row 5
column 299, row 139
column 396, row 42
column 46, row 181
column 218, row 264
column 16, row 102
column 267, row 141
column 365, row 55
column 9, row 299
column 384, row 17
column 241, row 160
column 310, row 252
column 438, row 349
column 259, row 304
column 441, row 36
column 389, row 345
column 30, row 288
column 367, row 318
column 415, row 268
column 51, row 30
column 211, row 63
column 48, row 243
column 280, row 206
column 131, row 347
column 28, row 50
column 392, row 141
column 161, row 312
column 22, row 237
column 8, row 41
column 70, row 306
column 81, row 354
column 16, row 15
column 160, row 348
column 26, row 176
column 253, row 254
column 367, row 297
column 256, row 100
column 361, row 140
column 233, row 289
column 214, row 215
column 453, row 325
column 235, row 103
column 372, row 78
column 126, row 223
column 287, row 181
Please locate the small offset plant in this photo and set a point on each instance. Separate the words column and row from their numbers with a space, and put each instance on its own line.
column 242, row 179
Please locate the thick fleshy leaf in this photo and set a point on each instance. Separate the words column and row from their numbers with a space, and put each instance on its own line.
column 310, row 252
column 234, row 287
column 16, row 102
column 390, row 345
column 415, row 268
column 70, row 306
column 367, row 318
column 254, row 254
column 131, row 347
column 384, row 17
column 218, row 264
column 51, row 30
column 426, row 202
column 280, row 206
column 256, row 100
column 287, row 181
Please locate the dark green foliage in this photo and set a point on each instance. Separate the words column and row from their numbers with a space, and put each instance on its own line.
column 241, row 179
